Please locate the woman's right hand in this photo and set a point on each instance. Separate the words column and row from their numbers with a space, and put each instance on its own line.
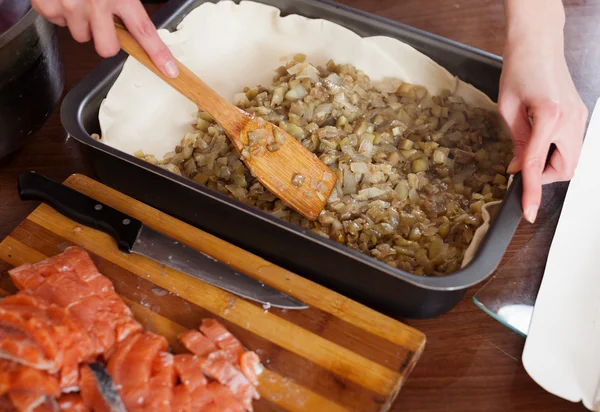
column 94, row 19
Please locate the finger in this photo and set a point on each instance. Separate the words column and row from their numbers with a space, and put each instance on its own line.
column 143, row 30
column 515, row 115
column 103, row 30
column 563, row 162
column 534, row 161
column 59, row 21
column 51, row 10
column 554, row 171
column 77, row 20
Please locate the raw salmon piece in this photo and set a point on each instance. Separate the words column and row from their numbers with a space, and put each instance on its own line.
column 75, row 259
column 251, row 366
column 225, row 373
column 76, row 347
column 29, row 401
column 243, row 390
column 63, row 289
column 95, row 314
column 72, row 403
column 71, row 280
column 105, row 320
column 6, row 405
column 35, row 322
column 27, row 388
column 26, row 277
column 17, row 345
column 182, row 401
column 189, row 370
column 223, row 399
column 69, row 377
column 101, row 285
column 197, row 343
column 90, row 393
column 119, row 356
column 162, row 381
column 220, row 370
column 16, row 377
column 52, row 328
column 224, row 340
column 200, row 398
column 131, row 372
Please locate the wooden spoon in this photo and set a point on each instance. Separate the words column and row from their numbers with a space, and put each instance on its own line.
column 292, row 173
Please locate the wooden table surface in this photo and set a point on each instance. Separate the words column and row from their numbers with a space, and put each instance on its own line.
column 471, row 362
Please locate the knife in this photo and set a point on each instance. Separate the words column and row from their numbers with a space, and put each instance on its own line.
column 133, row 237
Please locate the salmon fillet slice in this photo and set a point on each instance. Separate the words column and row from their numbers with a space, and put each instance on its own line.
column 189, row 370
column 225, row 360
column 107, row 319
column 63, row 289
column 251, row 366
column 16, row 377
column 67, row 313
column 47, row 337
column 131, row 368
column 217, row 333
column 90, row 394
column 27, row 388
column 30, row 402
column 182, row 401
column 72, row 281
column 222, row 370
column 17, row 345
column 223, row 399
column 74, row 258
column 162, row 382
column 93, row 318
column 6, row 405
column 197, row 343
column 72, row 403
column 247, row 361
column 33, row 317
column 232, row 389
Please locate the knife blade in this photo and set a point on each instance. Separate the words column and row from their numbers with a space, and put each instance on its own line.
column 133, row 237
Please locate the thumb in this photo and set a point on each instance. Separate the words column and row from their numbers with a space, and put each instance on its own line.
column 514, row 113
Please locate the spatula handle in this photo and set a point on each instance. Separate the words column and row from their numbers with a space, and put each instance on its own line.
column 80, row 208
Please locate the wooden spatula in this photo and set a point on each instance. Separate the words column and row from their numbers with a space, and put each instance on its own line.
column 292, row 173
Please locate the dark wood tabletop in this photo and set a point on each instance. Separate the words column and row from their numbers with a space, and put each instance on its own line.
column 471, row 362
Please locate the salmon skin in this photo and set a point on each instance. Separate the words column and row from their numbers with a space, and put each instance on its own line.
column 68, row 342
column 107, row 388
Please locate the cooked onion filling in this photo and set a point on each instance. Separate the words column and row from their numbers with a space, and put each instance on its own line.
column 414, row 170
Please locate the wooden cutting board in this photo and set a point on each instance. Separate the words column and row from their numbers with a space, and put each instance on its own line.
column 338, row 355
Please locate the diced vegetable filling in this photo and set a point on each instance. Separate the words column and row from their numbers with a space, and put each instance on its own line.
column 414, row 170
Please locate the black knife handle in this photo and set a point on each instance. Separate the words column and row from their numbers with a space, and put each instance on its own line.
column 81, row 208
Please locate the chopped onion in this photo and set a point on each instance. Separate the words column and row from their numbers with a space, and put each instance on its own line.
column 359, row 167
column 366, row 144
column 296, row 93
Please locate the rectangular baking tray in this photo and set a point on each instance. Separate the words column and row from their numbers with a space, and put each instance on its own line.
column 338, row 267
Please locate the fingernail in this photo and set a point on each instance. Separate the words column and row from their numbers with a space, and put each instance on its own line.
column 531, row 214
column 513, row 166
column 171, row 69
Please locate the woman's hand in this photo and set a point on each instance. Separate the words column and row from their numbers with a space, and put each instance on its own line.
column 89, row 19
column 536, row 84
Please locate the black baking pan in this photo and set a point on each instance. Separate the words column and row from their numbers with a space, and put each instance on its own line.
column 347, row 271
column 31, row 73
